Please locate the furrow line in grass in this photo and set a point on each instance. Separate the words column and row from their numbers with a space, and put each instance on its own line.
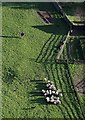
column 63, row 82
column 77, row 98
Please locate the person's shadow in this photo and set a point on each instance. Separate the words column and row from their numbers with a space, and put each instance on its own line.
column 4, row 36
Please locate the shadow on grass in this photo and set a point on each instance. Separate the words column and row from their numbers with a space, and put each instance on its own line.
column 66, row 78
column 50, row 49
column 9, row 36
column 56, row 28
column 9, row 75
column 39, row 98
column 30, row 5
column 39, row 101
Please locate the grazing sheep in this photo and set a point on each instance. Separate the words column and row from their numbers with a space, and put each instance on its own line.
column 45, row 79
column 48, row 99
column 48, row 85
column 45, row 94
column 50, row 92
column 57, row 93
column 43, row 91
column 61, row 94
column 58, row 98
column 49, row 81
column 58, row 90
column 53, row 92
column 51, row 87
column 52, row 100
column 52, row 97
column 57, row 102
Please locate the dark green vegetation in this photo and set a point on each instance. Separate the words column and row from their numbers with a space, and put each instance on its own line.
column 75, row 11
column 27, row 60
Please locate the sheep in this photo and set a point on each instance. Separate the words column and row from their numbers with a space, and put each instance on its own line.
column 48, row 99
column 61, row 94
column 53, row 92
column 50, row 92
column 45, row 79
column 52, row 97
column 52, row 100
column 49, row 81
column 45, row 94
column 58, row 90
column 43, row 91
column 48, row 85
column 57, row 102
column 57, row 93
column 52, row 87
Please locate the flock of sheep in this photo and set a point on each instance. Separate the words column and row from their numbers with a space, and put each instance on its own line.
column 51, row 94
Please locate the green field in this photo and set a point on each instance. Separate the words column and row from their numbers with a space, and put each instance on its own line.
column 28, row 60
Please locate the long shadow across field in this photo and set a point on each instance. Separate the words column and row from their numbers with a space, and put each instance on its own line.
column 50, row 49
column 63, row 77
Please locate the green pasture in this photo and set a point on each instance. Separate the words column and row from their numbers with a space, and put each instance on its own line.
column 28, row 60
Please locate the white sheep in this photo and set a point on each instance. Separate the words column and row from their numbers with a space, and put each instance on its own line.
column 48, row 99
column 47, row 92
column 48, row 85
column 45, row 79
column 52, row 87
column 50, row 92
column 43, row 91
column 57, row 102
column 53, row 92
column 56, row 93
column 52, row 100
column 49, row 81
column 61, row 94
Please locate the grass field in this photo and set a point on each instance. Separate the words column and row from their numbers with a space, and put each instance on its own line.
column 25, row 64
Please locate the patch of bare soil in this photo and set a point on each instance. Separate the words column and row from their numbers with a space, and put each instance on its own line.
column 46, row 16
